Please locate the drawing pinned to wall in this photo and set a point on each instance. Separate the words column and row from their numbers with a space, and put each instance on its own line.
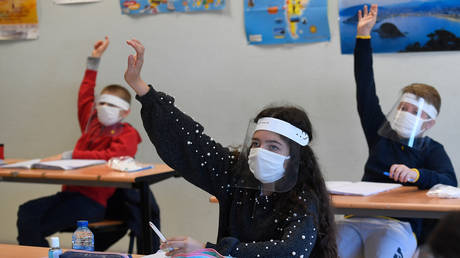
column 18, row 19
column 167, row 6
column 75, row 1
column 286, row 21
column 405, row 25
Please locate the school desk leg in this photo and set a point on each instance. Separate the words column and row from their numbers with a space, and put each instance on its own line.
column 146, row 240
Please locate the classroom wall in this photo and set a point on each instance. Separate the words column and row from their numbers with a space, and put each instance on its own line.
column 204, row 61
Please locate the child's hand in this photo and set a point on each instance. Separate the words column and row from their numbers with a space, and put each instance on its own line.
column 181, row 245
column 366, row 20
column 133, row 72
column 100, row 46
column 401, row 173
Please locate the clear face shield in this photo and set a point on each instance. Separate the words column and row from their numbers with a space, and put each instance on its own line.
column 270, row 158
column 408, row 120
column 107, row 110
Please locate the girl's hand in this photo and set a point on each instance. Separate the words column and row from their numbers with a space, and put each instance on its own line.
column 366, row 20
column 181, row 245
column 133, row 72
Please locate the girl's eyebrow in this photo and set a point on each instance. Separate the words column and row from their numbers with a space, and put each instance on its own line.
column 274, row 141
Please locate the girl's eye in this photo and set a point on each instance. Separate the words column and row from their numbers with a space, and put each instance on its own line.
column 255, row 144
column 273, row 148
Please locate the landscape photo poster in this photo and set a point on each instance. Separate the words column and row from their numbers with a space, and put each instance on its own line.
column 405, row 25
column 18, row 19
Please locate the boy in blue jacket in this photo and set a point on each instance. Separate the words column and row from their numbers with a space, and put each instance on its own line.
column 398, row 152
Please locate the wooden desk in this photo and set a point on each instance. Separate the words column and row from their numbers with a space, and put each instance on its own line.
column 15, row 251
column 406, row 201
column 100, row 175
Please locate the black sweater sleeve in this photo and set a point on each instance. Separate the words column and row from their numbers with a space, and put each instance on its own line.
column 437, row 169
column 298, row 240
column 182, row 144
column 369, row 110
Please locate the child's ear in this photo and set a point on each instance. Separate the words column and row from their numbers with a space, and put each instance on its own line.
column 427, row 125
column 124, row 113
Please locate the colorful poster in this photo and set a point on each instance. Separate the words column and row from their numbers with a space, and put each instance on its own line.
column 286, row 21
column 18, row 19
column 167, row 6
column 405, row 25
column 75, row 1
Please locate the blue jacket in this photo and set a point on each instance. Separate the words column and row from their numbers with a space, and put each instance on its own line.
column 431, row 161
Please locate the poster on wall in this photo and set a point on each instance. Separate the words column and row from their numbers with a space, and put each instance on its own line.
column 168, row 6
column 74, row 1
column 286, row 21
column 405, row 25
column 18, row 19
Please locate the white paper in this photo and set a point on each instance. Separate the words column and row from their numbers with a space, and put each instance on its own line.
column 74, row 1
column 359, row 188
column 23, row 164
column 159, row 254
column 68, row 164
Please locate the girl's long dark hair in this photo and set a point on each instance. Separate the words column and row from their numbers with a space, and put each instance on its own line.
column 310, row 179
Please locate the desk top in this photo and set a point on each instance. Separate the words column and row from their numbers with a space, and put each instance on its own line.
column 14, row 251
column 406, row 199
column 99, row 173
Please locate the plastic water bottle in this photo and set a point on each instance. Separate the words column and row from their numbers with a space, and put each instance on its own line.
column 55, row 250
column 83, row 238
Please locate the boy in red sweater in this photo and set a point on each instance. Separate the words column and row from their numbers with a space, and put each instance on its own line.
column 103, row 136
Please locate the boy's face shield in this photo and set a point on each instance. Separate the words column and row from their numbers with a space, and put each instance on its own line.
column 107, row 110
column 268, row 160
column 408, row 120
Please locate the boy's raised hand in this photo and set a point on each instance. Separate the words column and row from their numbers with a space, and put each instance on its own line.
column 100, row 46
column 133, row 72
column 366, row 20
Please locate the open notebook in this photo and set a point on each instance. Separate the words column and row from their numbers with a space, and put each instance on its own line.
column 358, row 188
column 63, row 164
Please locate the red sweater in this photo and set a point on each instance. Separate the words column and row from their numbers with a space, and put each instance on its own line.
column 98, row 141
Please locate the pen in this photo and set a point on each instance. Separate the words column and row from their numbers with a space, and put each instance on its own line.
column 140, row 169
column 386, row 173
column 161, row 236
column 157, row 231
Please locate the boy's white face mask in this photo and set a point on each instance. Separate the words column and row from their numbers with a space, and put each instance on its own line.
column 109, row 109
column 405, row 122
column 108, row 115
column 266, row 166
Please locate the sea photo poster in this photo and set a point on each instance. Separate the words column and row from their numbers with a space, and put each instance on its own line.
column 286, row 21
column 18, row 19
column 405, row 25
column 168, row 6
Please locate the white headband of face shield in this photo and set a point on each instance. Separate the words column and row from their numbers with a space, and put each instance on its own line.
column 417, row 101
column 283, row 128
column 114, row 100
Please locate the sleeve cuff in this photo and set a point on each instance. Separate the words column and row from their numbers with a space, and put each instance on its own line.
column 363, row 37
column 146, row 97
column 418, row 174
column 92, row 63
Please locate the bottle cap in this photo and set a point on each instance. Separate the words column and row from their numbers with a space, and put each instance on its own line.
column 55, row 242
column 82, row 223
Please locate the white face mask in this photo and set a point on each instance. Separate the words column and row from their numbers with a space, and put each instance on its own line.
column 108, row 115
column 266, row 166
column 405, row 122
